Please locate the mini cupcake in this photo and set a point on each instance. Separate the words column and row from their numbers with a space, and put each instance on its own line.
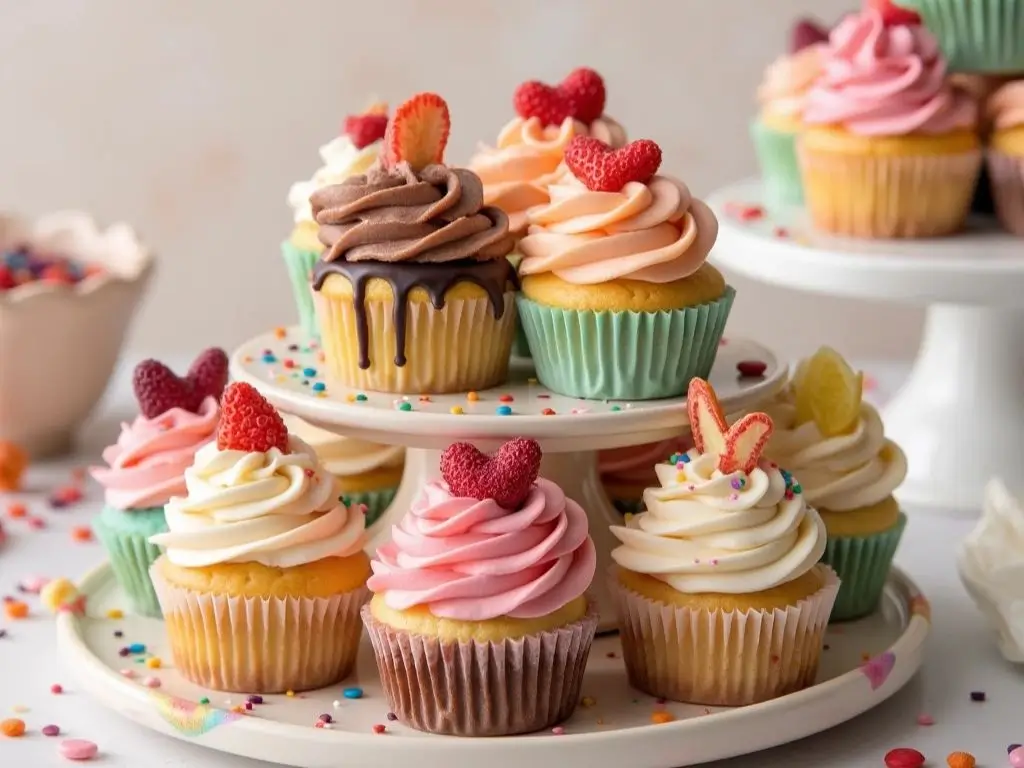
column 889, row 147
column 781, row 96
column 413, row 291
column 517, row 171
column 834, row 443
column 263, row 573
column 479, row 621
column 720, row 596
column 627, row 472
column 976, row 35
column 1005, row 158
column 617, row 301
column 350, row 154
column 368, row 473
column 146, row 467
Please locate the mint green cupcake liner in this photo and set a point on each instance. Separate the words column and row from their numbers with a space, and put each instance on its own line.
column 376, row 502
column 780, row 168
column 125, row 535
column 623, row 355
column 980, row 36
column 862, row 564
column 300, row 265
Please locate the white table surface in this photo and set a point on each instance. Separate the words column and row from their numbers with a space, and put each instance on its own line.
column 961, row 655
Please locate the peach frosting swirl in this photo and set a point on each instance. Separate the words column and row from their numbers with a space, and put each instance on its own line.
column 788, row 79
column 146, row 467
column 1005, row 108
column 472, row 560
column 655, row 232
column 886, row 81
column 517, row 171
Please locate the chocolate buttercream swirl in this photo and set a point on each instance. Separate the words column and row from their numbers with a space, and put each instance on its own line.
column 401, row 215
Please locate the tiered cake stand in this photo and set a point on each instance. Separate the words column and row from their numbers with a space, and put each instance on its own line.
column 960, row 415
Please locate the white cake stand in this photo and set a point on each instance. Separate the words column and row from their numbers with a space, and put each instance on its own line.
column 960, row 415
column 285, row 368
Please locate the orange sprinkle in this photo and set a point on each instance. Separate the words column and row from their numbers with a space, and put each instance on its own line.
column 81, row 533
column 16, row 609
column 247, row 359
column 12, row 727
column 472, row 397
column 16, row 510
column 661, row 717
column 280, row 333
column 961, row 760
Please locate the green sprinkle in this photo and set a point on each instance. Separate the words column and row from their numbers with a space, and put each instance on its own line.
column 615, row 408
column 361, row 398
column 405, row 407
column 797, row 488
column 204, row 700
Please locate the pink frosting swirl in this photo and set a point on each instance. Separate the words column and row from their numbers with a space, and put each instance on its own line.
column 1005, row 107
column 655, row 232
column 886, row 81
column 472, row 560
column 517, row 172
column 146, row 467
column 635, row 465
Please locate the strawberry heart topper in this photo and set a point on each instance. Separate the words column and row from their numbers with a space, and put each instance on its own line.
column 158, row 389
column 894, row 15
column 249, row 423
column 368, row 127
column 603, row 169
column 506, row 477
column 805, row 33
column 418, row 132
column 738, row 446
column 580, row 96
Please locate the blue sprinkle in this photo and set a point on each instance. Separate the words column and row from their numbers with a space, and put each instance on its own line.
column 319, row 387
column 352, row 693
column 136, row 648
column 504, row 410
column 310, row 372
column 685, row 458
column 268, row 358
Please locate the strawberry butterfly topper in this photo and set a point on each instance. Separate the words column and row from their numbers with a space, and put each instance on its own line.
column 737, row 447
column 581, row 96
column 158, row 389
column 506, row 477
column 366, row 128
column 249, row 423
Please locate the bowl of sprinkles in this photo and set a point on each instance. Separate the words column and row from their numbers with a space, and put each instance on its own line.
column 68, row 291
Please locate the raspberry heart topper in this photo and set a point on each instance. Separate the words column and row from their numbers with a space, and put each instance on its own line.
column 368, row 127
column 737, row 447
column 249, row 423
column 158, row 389
column 603, row 169
column 418, row 132
column 506, row 477
column 580, row 96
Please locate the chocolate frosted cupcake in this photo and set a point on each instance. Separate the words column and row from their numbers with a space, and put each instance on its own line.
column 413, row 291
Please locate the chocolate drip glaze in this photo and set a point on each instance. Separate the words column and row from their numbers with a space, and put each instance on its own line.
column 436, row 279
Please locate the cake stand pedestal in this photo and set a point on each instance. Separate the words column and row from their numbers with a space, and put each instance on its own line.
column 960, row 415
column 285, row 369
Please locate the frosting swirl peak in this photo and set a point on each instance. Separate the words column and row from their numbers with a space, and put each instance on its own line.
column 788, row 79
column 1005, row 107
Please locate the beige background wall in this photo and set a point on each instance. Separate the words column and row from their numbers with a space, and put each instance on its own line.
column 190, row 118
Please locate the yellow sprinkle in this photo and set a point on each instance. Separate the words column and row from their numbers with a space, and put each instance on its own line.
column 154, row 662
column 661, row 717
column 350, row 397
column 457, row 410
column 115, row 613
column 57, row 593
column 627, row 517
column 281, row 378
column 587, row 701
column 321, row 394
column 289, row 693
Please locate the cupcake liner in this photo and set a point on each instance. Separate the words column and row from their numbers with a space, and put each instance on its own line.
column 983, row 36
column 862, row 564
column 623, row 355
column 722, row 658
column 520, row 344
column 780, row 167
column 460, row 347
column 1006, row 175
column 125, row 535
column 376, row 502
column 261, row 645
column 475, row 688
column 300, row 263
column 882, row 196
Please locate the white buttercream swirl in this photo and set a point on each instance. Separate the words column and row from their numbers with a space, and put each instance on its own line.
column 341, row 159
column 839, row 473
column 345, row 456
column 736, row 533
column 277, row 509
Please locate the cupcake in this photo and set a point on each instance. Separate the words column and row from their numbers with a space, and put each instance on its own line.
column 1005, row 157
column 781, row 98
column 981, row 88
column 367, row 473
column 834, row 443
column 720, row 596
column 350, row 154
column 617, row 301
column 976, row 35
column 146, row 466
column 627, row 472
column 889, row 147
column 263, row 572
column 414, row 292
column 479, row 620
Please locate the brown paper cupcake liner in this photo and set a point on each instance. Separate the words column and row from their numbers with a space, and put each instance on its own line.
column 722, row 658
column 474, row 688
column 261, row 645
column 1006, row 175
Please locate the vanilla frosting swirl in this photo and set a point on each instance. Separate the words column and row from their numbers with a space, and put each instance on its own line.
column 655, row 232
column 277, row 509
column 1005, row 107
column 341, row 159
column 788, row 79
column 345, row 456
column 839, row 473
column 736, row 533
column 398, row 214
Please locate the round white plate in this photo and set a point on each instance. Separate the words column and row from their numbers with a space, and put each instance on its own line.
column 865, row 663
column 286, row 367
